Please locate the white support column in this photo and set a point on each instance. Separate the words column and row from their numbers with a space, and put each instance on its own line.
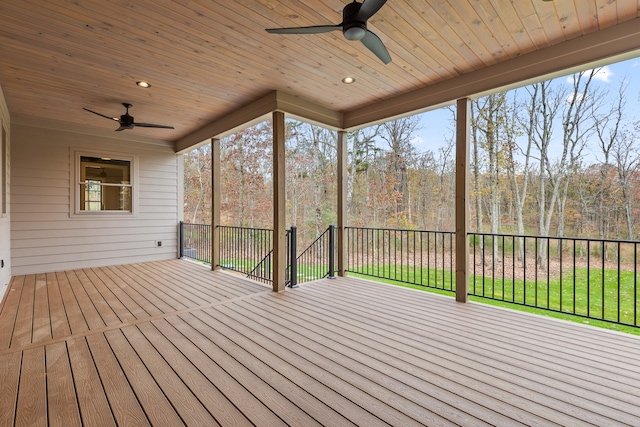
column 342, row 203
column 279, row 204
column 215, row 203
column 462, row 200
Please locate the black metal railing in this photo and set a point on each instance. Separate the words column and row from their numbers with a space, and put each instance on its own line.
column 195, row 242
column 249, row 251
column 417, row 257
column 263, row 271
column 318, row 260
column 246, row 250
column 593, row 278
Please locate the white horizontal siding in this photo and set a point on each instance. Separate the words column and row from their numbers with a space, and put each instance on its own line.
column 45, row 236
column 77, row 233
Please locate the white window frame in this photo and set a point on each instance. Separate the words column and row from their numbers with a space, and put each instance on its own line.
column 76, row 178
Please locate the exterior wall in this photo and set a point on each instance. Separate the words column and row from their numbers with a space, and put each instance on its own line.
column 5, row 218
column 46, row 235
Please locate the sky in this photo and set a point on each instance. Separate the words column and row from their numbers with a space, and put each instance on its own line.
column 436, row 126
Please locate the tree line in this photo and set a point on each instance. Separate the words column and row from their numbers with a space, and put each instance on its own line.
column 550, row 159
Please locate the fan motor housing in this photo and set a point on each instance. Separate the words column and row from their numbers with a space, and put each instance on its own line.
column 351, row 28
column 126, row 120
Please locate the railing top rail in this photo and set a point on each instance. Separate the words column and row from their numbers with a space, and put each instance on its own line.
column 202, row 225
column 399, row 229
column 245, row 228
column 581, row 239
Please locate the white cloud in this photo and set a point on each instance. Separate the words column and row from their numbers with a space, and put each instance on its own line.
column 571, row 97
column 604, row 75
column 417, row 141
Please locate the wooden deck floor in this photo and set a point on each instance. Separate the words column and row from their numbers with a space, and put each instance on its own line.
column 172, row 343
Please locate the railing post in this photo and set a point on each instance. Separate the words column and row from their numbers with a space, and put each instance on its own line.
column 279, row 258
column 181, row 239
column 462, row 199
column 293, row 269
column 215, row 203
column 342, row 178
column 332, row 252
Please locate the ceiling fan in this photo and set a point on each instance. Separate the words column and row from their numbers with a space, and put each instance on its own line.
column 353, row 26
column 126, row 121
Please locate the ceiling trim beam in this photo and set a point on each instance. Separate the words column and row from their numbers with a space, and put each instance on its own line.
column 302, row 109
column 248, row 115
column 259, row 111
column 621, row 40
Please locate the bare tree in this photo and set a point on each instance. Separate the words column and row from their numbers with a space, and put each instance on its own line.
column 520, row 174
column 398, row 135
column 608, row 127
column 362, row 151
column 577, row 127
column 626, row 154
column 197, row 185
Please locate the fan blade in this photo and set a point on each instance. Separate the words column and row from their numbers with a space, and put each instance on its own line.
column 150, row 125
column 318, row 29
column 102, row 115
column 368, row 9
column 375, row 45
column 123, row 128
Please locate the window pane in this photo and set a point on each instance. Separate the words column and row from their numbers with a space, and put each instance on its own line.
column 125, row 198
column 105, row 184
column 108, row 171
column 92, row 192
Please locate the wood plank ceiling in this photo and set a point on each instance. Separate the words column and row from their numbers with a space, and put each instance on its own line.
column 207, row 58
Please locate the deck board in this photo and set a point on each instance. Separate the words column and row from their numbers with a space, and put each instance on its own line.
column 61, row 394
column 173, row 343
column 77, row 322
column 23, row 327
column 352, row 392
column 59, row 320
column 92, row 400
column 87, row 304
column 117, row 307
column 104, row 308
column 31, row 407
column 248, row 375
column 186, row 403
column 10, row 305
column 152, row 400
column 41, row 316
column 125, row 298
column 10, row 367
column 122, row 400
column 215, row 385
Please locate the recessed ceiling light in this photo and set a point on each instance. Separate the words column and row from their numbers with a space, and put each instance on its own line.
column 143, row 84
column 348, row 80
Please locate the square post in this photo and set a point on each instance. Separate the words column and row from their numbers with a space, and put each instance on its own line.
column 215, row 203
column 462, row 200
column 279, row 205
column 342, row 203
